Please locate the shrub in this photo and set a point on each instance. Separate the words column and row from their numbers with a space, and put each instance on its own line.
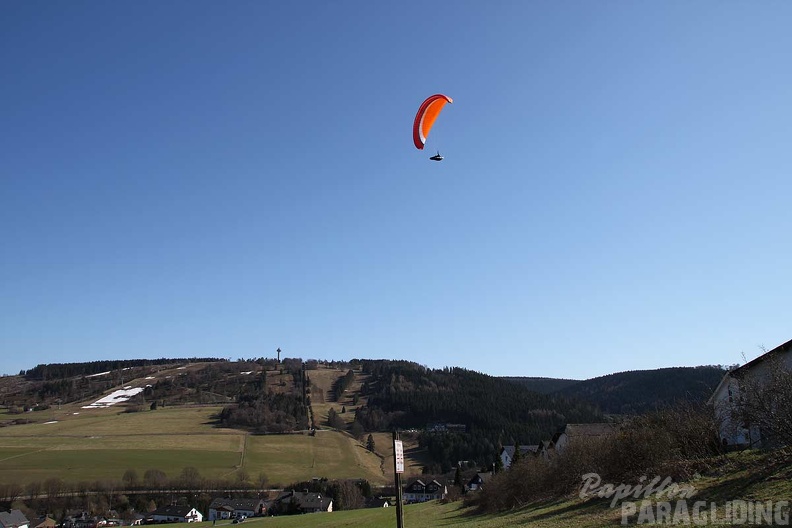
column 667, row 443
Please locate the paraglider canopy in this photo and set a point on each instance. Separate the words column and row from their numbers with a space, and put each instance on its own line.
column 425, row 118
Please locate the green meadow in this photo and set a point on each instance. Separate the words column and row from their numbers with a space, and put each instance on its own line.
column 565, row 514
column 290, row 458
column 78, row 444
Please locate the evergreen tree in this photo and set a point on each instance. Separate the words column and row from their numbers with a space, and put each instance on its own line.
column 498, row 464
column 370, row 443
column 517, row 455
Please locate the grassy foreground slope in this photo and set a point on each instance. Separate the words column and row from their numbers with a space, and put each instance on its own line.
column 740, row 476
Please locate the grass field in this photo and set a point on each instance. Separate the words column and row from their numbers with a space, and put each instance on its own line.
column 104, row 443
column 290, row 458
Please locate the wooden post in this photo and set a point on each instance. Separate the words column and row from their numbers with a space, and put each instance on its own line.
column 398, row 469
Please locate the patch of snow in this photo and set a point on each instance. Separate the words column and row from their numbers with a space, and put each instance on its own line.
column 75, row 414
column 248, row 372
column 150, row 377
column 180, row 368
column 100, row 374
column 127, row 388
column 53, row 421
column 114, row 397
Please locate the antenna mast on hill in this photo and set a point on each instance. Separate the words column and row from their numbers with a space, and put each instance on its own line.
column 278, row 351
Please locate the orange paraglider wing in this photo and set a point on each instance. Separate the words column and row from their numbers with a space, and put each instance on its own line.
column 426, row 116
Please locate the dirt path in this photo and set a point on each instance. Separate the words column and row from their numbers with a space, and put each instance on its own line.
column 242, row 452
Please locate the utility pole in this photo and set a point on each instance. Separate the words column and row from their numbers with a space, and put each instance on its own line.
column 398, row 469
column 278, row 351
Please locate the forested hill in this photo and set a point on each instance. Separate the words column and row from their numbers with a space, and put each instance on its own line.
column 639, row 391
column 543, row 385
column 407, row 395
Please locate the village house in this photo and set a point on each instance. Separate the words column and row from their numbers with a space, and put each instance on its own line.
column 478, row 480
column 417, row 491
column 546, row 450
column 45, row 522
column 304, row 502
column 377, row 502
column 580, row 433
column 507, row 453
column 108, row 522
column 79, row 520
column 737, row 434
column 13, row 519
column 222, row 508
column 175, row 514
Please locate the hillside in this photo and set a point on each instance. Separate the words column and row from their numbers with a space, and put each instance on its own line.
column 460, row 414
column 542, row 385
column 639, row 391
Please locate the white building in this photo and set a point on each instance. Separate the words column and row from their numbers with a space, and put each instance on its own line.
column 727, row 395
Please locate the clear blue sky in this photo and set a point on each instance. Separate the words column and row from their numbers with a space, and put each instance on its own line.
column 193, row 178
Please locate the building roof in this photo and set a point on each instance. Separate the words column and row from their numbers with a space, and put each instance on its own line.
column 173, row 511
column 377, row 502
column 423, row 485
column 13, row 519
column 780, row 349
column 740, row 371
column 308, row 500
column 236, row 504
column 524, row 450
column 584, row 430
column 46, row 522
column 480, row 478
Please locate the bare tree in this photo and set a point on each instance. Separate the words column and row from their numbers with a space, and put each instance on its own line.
column 262, row 480
column 11, row 492
column 764, row 402
column 33, row 489
column 191, row 477
column 154, row 479
column 130, row 478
